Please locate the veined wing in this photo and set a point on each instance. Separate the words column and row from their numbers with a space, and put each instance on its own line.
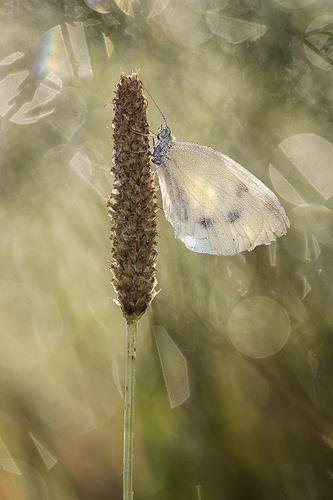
column 214, row 204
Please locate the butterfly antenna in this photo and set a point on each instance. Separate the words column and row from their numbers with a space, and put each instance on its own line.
column 151, row 97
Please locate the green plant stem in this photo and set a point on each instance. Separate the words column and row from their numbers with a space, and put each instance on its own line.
column 131, row 331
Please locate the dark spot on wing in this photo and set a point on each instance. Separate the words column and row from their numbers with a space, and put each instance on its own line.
column 183, row 200
column 241, row 189
column 206, row 222
column 178, row 191
column 233, row 216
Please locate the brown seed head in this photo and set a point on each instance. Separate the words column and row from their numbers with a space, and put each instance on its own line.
column 132, row 205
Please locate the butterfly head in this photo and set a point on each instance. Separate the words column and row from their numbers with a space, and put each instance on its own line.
column 164, row 133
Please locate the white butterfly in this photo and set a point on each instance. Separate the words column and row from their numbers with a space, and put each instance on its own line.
column 214, row 204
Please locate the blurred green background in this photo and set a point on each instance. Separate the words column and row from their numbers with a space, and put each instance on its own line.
column 253, row 332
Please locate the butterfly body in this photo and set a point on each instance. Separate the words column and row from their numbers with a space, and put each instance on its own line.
column 214, row 204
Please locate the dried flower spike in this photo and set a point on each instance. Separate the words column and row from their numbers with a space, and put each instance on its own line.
column 132, row 205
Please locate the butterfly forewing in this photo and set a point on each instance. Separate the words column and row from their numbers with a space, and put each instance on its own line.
column 214, row 204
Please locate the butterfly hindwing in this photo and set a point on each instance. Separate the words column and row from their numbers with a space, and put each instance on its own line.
column 214, row 204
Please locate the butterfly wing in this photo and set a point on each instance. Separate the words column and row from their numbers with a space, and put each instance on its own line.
column 214, row 204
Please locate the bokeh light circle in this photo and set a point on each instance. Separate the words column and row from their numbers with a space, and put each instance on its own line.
column 320, row 39
column 101, row 6
column 259, row 327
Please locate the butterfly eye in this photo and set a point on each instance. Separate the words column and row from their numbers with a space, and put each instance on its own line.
column 165, row 132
